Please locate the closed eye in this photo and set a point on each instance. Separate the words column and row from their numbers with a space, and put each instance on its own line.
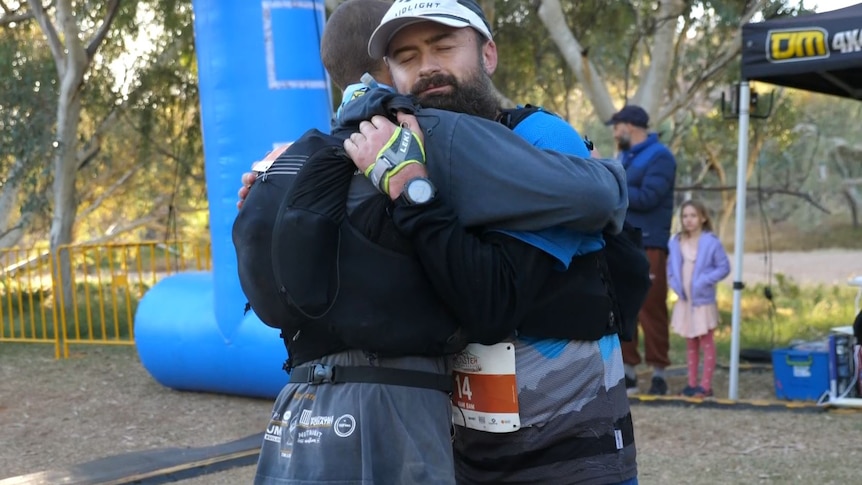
column 404, row 59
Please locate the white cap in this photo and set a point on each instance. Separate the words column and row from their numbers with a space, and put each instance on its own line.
column 454, row 13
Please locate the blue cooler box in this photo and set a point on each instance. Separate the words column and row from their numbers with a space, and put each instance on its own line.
column 800, row 374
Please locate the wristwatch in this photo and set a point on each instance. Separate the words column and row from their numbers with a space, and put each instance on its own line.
column 419, row 191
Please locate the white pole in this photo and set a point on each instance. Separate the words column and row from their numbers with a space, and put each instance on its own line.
column 739, row 241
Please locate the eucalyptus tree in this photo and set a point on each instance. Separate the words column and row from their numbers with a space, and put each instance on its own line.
column 74, row 34
column 135, row 106
column 100, row 110
column 659, row 55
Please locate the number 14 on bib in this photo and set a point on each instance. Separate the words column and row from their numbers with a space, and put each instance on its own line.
column 485, row 394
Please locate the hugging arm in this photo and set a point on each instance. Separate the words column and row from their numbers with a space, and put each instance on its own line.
column 488, row 281
column 494, row 178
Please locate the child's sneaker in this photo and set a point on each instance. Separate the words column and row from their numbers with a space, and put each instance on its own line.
column 701, row 392
column 689, row 391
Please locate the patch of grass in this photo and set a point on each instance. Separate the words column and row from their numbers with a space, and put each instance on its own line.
column 101, row 312
column 795, row 313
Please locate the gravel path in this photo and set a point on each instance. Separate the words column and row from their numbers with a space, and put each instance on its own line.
column 829, row 267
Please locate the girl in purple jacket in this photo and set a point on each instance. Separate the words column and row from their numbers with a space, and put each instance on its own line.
column 695, row 263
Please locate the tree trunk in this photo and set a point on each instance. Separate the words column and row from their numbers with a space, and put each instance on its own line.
column 65, row 200
column 728, row 204
column 651, row 91
column 72, row 59
column 853, row 202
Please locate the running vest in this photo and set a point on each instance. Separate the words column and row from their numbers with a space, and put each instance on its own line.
column 306, row 269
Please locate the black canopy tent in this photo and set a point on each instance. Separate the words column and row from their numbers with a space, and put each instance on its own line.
column 818, row 52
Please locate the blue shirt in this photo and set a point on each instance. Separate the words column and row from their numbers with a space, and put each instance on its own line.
column 549, row 132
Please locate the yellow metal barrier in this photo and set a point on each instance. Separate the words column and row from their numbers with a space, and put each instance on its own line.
column 92, row 300
column 27, row 310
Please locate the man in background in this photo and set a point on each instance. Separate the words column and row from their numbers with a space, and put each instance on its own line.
column 650, row 173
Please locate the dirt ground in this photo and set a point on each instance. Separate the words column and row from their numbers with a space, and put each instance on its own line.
column 101, row 402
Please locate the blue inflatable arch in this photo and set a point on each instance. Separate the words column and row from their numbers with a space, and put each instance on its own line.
column 262, row 84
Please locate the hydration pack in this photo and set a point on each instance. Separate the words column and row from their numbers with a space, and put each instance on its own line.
column 259, row 231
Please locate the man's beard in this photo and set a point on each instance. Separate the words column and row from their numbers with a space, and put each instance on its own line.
column 474, row 96
column 624, row 143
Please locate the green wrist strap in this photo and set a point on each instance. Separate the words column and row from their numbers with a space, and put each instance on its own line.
column 402, row 149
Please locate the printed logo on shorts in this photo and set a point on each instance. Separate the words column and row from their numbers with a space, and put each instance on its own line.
column 306, row 420
column 309, row 437
column 344, row 426
column 273, row 431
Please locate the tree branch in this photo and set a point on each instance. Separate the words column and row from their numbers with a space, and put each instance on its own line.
column 677, row 55
column 94, row 144
column 13, row 235
column 552, row 16
column 711, row 160
column 11, row 185
column 766, row 190
column 712, row 69
column 100, row 34
column 108, row 192
column 75, row 57
column 12, row 18
column 50, row 34
column 130, row 226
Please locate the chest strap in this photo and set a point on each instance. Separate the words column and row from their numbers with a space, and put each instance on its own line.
column 334, row 374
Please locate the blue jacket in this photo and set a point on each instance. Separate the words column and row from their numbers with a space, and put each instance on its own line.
column 710, row 267
column 650, row 173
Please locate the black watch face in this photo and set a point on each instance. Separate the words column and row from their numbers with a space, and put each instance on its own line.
column 420, row 191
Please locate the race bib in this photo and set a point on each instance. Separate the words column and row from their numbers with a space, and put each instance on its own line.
column 485, row 394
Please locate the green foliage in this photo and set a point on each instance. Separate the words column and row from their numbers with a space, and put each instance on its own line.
column 27, row 99
column 528, row 68
column 140, row 113
column 796, row 313
column 157, row 140
column 531, row 69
